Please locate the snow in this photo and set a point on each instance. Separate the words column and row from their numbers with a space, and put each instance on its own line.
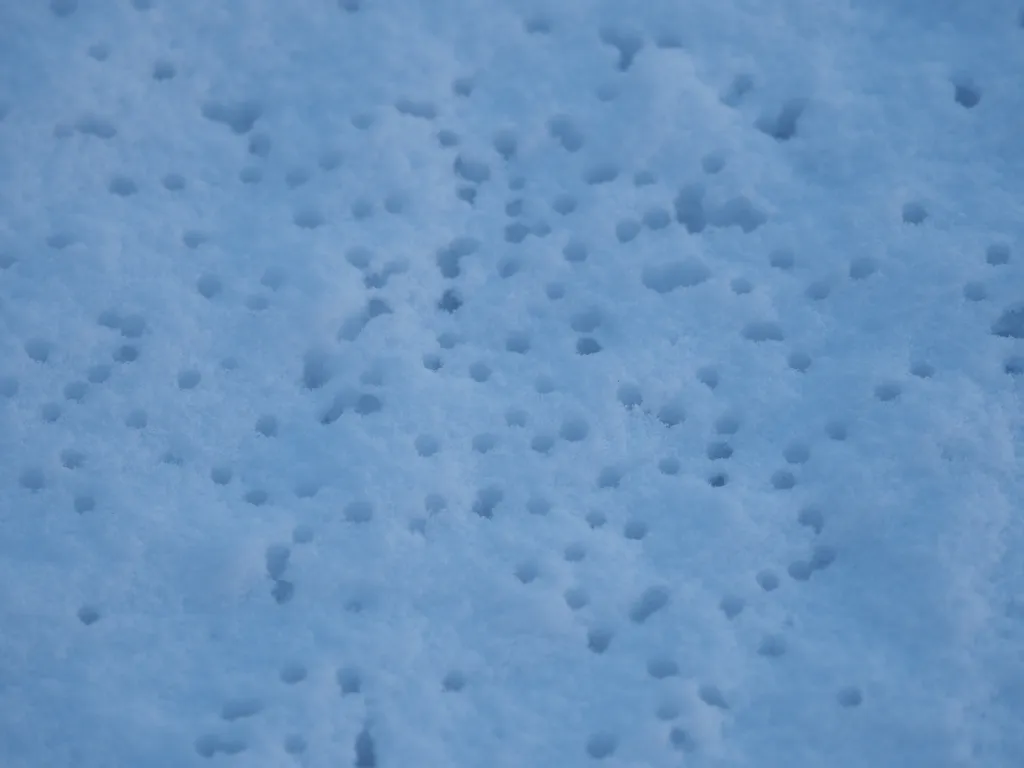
column 421, row 382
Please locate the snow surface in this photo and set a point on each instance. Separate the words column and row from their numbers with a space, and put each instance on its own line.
column 511, row 383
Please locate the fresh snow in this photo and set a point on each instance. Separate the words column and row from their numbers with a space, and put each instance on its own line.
column 511, row 384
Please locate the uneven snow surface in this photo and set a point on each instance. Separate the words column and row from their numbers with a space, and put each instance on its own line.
column 511, row 383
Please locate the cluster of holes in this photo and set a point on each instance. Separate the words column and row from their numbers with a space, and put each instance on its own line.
column 689, row 209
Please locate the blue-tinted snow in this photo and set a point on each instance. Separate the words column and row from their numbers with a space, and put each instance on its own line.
column 421, row 382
